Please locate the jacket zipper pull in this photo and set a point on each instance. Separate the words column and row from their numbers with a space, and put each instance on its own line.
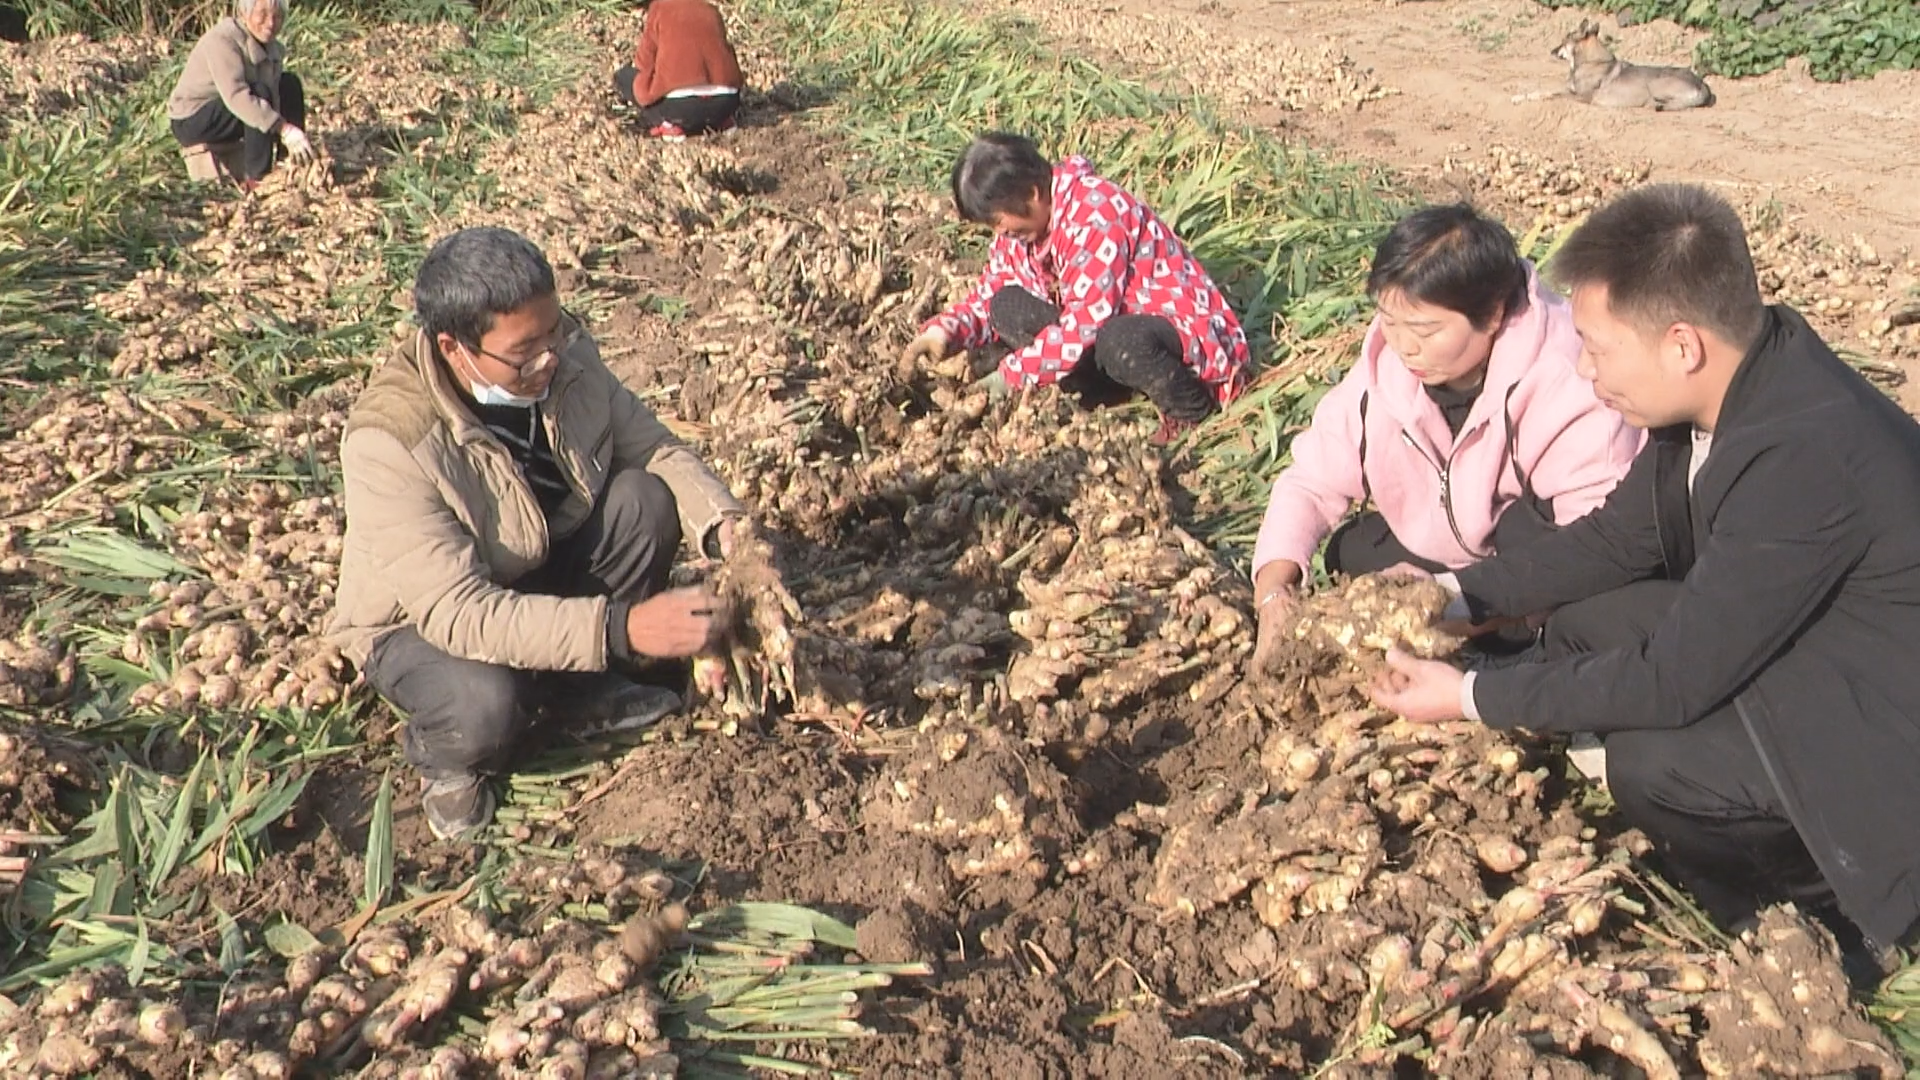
column 1438, row 469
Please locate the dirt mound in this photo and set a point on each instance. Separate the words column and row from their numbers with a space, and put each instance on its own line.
column 35, row 770
column 994, row 808
column 1781, row 1009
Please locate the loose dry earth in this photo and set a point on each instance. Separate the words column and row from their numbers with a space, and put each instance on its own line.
column 1021, row 742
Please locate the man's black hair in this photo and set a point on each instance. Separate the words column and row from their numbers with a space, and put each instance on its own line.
column 998, row 174
column 1668, row 253
column 475, row 275
column 1452, row 257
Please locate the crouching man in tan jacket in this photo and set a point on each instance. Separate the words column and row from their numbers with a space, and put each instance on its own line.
column 512, row 515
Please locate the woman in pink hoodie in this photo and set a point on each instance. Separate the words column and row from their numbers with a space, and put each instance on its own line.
column 1464, row 421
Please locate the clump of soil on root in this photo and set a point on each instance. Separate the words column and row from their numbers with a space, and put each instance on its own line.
column 1782, row 1008
column 1340, row 636
column 758, row 658
column 1353, row 624
column 35, row 671
column 35, row 769
column 991, row 804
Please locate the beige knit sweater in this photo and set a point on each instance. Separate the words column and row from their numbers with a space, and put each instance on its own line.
column 226, row 64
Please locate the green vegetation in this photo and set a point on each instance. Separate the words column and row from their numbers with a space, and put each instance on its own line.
column 49, row 18
column 1844, row 39
column 1897, row 1007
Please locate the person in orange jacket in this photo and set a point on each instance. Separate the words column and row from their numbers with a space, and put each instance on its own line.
column 684, row 79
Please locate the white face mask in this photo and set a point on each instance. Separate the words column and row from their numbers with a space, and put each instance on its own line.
column 486, row 393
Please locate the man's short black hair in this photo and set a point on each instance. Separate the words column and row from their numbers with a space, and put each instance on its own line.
column 1668, row 253
column 475, row 275
column 1452, row 257
column 998, row 174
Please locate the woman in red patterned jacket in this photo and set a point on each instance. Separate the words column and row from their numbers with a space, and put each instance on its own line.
column 685, row 78
column 1089, row 288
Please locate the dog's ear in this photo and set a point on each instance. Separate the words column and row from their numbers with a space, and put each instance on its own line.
column 1589, row 28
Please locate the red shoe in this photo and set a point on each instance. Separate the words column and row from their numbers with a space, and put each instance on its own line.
column 1171, row 430
column 667, row 131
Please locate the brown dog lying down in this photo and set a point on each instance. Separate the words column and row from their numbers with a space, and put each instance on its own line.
column 1597, row 77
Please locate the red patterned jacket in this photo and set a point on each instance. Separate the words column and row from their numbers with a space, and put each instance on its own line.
column 1105, row 254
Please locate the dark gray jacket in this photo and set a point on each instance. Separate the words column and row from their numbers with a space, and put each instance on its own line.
column 1799, row 550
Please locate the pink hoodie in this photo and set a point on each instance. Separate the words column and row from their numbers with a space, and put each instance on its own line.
column 1440, row 498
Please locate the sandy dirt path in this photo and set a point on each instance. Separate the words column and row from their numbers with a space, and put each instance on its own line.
column 1443, row 76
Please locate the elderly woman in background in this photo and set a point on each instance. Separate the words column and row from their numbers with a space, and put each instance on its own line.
column 235, row 89
column 685, row 78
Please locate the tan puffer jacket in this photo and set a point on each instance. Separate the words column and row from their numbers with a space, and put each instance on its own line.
column 440, row 522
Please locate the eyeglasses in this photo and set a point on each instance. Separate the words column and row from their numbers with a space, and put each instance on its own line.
column 527, row 367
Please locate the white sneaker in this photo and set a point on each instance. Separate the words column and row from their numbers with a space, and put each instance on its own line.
column 1589, row 755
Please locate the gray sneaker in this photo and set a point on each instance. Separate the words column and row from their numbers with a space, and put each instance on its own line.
column 456, row 806
column 609, row 702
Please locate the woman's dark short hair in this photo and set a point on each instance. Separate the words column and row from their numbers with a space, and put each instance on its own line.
column 474, row 276
column 1668, row 253
column 998, row 174
column 1452, row 257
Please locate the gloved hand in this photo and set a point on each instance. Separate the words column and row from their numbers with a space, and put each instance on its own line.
column 299, row 147
column 995, row 384
column 927, row 348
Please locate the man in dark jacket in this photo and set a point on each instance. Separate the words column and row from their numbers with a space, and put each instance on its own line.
column 1738, row 619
